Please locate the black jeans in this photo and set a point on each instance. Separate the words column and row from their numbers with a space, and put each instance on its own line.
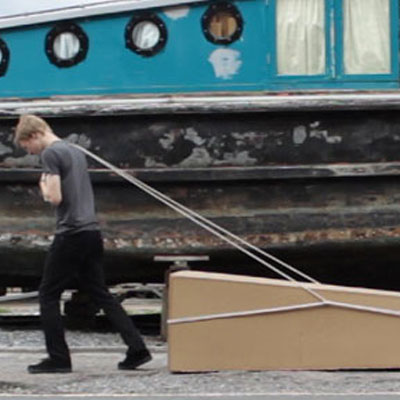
column 78, row 257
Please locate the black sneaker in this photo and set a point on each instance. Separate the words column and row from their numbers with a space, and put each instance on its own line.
column 134, row 359
column 49, row 366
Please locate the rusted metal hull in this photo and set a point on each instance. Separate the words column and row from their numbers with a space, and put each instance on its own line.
column 319, row 189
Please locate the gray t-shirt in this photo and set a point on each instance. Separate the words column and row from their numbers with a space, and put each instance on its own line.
column 76, row 212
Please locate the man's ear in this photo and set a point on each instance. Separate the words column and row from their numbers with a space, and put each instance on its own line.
column 37, row 135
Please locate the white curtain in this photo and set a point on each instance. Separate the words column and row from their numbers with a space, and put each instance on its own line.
column 66, row 45
column 145, row 35
column 301, row 37
column 366, row 36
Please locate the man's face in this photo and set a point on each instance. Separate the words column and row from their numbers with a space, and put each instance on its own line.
column 33, row 145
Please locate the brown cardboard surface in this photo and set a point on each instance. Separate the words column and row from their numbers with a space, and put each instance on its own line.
column 326, row 337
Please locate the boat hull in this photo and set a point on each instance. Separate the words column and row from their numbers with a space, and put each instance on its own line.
column 320, row 190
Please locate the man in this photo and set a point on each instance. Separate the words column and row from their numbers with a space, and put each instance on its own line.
column 77, row 249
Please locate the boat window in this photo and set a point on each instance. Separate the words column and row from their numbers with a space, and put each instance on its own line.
column 146, row 35
column 366, row 36
column 66, row 45
column 222, row 23
column 300, row 37
column 4, row 57
column 335, row 42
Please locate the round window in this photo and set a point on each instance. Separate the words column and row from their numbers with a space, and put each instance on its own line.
column 66, row 45
column 4, row 57
column 222, row 23
column 146, row 35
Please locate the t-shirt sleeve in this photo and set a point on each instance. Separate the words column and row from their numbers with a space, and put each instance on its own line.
column 50, row 162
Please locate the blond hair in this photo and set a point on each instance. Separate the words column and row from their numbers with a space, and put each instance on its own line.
column 28, row 125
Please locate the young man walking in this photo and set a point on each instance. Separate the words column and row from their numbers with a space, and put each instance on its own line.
column 77, row 249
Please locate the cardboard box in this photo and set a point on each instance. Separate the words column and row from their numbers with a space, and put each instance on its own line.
column 224, row 322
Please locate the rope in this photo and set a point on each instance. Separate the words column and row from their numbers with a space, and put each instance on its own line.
column 230, row 238
column 244, row 313
column 207, row 224
column 272, row 310
column 328, row 303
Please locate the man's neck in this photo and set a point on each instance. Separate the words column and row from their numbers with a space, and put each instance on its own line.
column 49, row 139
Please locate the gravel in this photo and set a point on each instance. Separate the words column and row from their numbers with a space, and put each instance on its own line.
column 95, row 356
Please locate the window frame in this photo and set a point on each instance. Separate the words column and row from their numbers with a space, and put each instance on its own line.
column 334, row 51
column 66, row 27
column 272, row 21
column 5, row 58
column 210, row 12
column 146, row 17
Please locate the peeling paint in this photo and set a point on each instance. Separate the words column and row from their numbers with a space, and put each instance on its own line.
column 167, row 141
column 26, row 161
column 5, row 149
column 199, row 157
column 244, row 135
column 208, row 151
column 323, row 134
column 226, row 62
column 33, row 160
column 157, row 128
column 256, row 140
column 150, row 162
column 176, row 12
column 299, row 134
column 79, row 138
column 194, row 137
column 239, row 158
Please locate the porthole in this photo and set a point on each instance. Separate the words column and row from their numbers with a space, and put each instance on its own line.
column 66, row 45
column 4, row 57
column 222, row 23
column 146, row 35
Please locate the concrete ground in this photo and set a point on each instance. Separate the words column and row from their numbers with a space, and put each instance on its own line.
column 95, row 356
column 95, row 372
column 206, row 397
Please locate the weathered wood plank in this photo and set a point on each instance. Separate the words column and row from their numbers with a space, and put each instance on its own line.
column 59, row 106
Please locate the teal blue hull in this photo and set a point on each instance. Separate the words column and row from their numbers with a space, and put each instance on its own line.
column 184, row 65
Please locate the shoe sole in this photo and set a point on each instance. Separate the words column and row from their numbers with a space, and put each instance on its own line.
column 50, row 371
column 135, row 365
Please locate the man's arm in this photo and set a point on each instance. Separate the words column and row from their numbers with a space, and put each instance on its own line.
column 50, row 186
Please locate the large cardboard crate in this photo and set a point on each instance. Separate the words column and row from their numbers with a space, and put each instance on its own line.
column 203, row 335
